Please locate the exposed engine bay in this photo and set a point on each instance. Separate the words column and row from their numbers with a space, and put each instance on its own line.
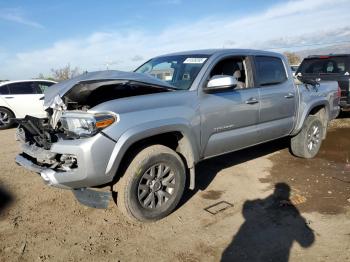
column 89, row 94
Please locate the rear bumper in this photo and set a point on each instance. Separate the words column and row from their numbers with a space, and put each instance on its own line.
column 92, row 156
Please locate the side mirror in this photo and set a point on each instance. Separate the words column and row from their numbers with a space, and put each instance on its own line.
column 220, row 82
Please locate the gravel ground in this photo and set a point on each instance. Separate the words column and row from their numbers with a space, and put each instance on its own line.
column 279, row 208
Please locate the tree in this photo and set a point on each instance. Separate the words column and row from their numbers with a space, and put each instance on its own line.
column 293, row 58
column 61, row 74
column 42, row 76
column 64, row 73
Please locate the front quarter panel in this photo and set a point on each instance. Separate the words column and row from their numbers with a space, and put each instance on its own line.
column 149, row 115
column 146, row 130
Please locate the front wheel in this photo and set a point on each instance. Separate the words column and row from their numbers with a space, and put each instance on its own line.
column 6, row 118
column 152, row 185
column 308, row 142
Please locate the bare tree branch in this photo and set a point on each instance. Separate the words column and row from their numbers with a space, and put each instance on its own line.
column 293, row 58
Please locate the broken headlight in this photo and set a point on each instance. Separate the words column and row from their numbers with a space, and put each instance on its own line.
column 83, row 124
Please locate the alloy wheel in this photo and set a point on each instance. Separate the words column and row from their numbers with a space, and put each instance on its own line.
column 4, row 118
column 156, row 186
column 313, row 137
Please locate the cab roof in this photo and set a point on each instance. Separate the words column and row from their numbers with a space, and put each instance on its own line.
column 24, row 81
column 224, row 51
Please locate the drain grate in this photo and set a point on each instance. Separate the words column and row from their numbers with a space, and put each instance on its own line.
column 218, row 207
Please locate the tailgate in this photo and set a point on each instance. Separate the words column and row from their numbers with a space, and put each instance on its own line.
column 343, row 83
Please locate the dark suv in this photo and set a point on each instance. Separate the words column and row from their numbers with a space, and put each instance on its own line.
column 329, row 67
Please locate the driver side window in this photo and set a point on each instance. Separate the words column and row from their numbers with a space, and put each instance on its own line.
column 233, row 66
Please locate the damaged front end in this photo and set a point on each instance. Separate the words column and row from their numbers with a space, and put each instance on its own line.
column 61, row 144
column 36, row 137
column 68, row 148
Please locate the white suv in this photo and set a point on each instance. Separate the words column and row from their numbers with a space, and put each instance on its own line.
column 21, row 98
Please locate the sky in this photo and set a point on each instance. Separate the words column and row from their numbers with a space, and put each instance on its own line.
column 36, row 36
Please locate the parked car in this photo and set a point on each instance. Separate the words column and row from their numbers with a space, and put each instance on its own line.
column 329, row 67
column 142, row 136
column 21, row 98
column 294, row 68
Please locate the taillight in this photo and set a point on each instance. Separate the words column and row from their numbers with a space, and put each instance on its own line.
column 339, row 92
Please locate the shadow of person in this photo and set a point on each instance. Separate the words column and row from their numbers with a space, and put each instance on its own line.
column 270, row 228
column 5, row 199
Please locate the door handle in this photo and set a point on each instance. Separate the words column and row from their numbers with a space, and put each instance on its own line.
column 252, row 101
column 289, row 95
column 9, row 97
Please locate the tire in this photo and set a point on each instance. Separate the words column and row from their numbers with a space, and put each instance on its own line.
column 308, row 142
column 146, row 194
column 6, row 118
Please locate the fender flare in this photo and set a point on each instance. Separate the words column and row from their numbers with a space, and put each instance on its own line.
column 324, row 103
column 187, row 144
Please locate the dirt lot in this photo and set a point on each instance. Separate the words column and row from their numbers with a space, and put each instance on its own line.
column 279, row 208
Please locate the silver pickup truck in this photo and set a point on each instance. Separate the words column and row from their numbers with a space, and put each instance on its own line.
column 142, row 133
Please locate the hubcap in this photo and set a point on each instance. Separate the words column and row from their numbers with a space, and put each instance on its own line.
column 313, row 137
column 4, row 119
column 156, row 186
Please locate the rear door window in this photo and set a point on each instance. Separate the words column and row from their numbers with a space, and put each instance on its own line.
column 24, row 88
column 4, row 90
column 270, row 70
column 325, row 65
column 42, row 86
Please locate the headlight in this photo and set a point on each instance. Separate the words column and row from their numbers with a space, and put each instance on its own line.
column 85, row 124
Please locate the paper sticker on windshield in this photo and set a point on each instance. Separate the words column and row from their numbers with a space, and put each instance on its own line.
column 195, row 60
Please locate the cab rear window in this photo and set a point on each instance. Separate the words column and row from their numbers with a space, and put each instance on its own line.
column 325, row 65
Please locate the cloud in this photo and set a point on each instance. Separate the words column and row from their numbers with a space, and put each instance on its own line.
column 321, row 37
column 16, row 16
column 137, row 58
column 293, row 23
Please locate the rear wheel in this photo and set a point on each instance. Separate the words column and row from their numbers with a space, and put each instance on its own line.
column 6, row 118
column 308, row 142
column 152, row 185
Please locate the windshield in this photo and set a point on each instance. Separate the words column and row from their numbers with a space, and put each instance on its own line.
column 325, row 65
column 179, row 71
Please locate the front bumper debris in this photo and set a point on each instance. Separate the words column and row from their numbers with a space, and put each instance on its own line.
column 92, row 156
column 87, row 197
column 92, row 198
column 27, row 164
column 41, row 155
column 48, row 175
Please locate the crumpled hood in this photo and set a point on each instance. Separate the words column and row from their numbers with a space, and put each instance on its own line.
column 63, row 87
